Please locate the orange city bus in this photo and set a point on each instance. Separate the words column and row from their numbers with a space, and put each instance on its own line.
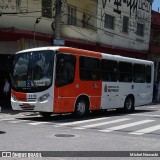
column 69, row 80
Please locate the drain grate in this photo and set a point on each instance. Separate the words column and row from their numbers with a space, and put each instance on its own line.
column 1, row 132
column 65, row 135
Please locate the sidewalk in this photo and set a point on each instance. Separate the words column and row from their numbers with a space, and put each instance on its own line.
column 9, row 113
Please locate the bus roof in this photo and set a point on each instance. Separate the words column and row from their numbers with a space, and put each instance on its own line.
column 89, row 53
column 125, row 59
column 39, row 49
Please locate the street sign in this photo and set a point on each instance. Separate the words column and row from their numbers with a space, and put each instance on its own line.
column 58, row 42
column 28, row 83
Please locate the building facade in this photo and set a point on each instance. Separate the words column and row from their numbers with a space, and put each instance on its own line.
column 113, row 26
column 126, row 24
column 154, row 47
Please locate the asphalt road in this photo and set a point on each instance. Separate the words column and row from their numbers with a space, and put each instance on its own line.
column 103, row 131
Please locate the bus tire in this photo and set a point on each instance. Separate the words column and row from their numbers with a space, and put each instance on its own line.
column 129, row 104
column 45, row 114
column 81, row 108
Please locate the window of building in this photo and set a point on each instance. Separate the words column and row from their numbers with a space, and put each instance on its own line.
column 148, row 74
column 72, row 15
column 140, row 29
column 138, row 73
column 125, row 72
column 18, row 3
column 109, row 70
column 125, row 24
column 47, row 8
column 109, row 21
column 89, row 68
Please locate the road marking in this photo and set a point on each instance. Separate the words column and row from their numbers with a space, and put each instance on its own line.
column 148, row 115
column 103, row 123
column 146, row 130
column 80, row 122
column 19, row 121
column 7, row 119
column 37, row 123
column 152, row 107
column 126, row 126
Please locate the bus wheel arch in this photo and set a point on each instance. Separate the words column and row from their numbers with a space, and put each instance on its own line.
column 82, row 106
column 129, row 103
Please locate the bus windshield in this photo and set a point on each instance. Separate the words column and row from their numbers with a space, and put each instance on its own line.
column 32, row 71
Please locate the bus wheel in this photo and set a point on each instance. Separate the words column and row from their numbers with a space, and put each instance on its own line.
column 45, row 114
column 129, row 104
column 81, row 108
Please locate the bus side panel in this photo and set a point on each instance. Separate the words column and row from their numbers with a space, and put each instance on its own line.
column 66, row 96
column 64, row 99
column 143, row 94
column 93, row 90
column 114, row 94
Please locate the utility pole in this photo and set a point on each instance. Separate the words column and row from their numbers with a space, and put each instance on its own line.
column 58, row 19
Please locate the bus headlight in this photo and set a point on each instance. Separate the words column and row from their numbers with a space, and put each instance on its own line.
column 13, row 97
column 43, row 98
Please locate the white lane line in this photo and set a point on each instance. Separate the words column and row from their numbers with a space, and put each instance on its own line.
column 126, row 126
column 152, row 107
column 146, row 130
column 19, row 121
column 80, row 122
column 146, row 115
column 37, row 123
column 7, row 119
column 103, row 123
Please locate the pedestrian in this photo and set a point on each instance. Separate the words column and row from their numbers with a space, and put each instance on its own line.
column 6, row 93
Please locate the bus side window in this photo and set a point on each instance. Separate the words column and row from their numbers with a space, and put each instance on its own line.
column 125, row 72
column 89, row 68
column 139, row 73
column 148, row 74
column 65, row 69
column 108, row 70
